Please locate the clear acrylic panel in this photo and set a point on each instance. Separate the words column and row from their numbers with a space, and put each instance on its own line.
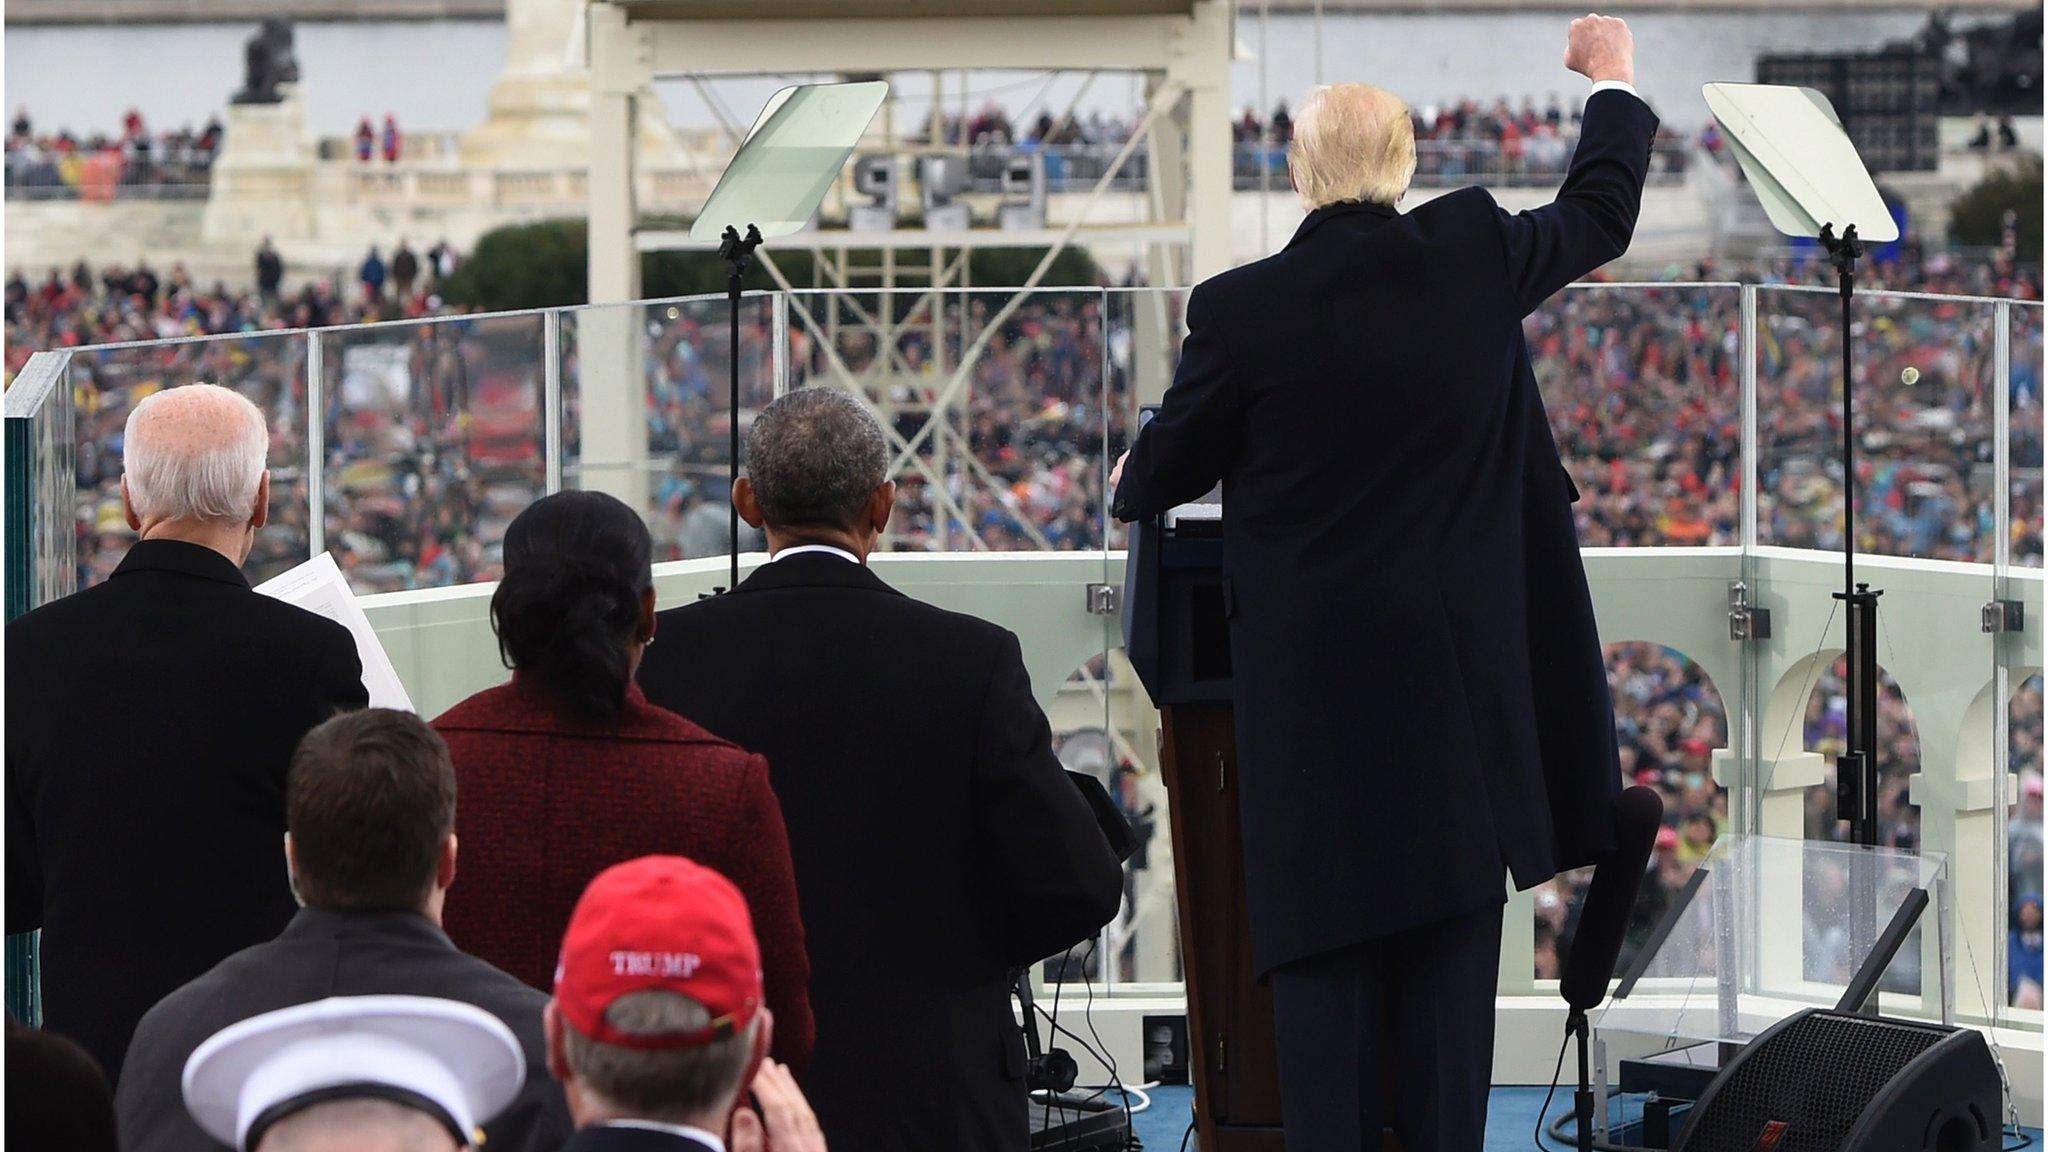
column 2022, row 913
column 1738, row 952
column 1924, row 422
column 1642, row 384
column 678, row 354
column 1143, row 331
column 2023, row 437
column 992, row 402
column 434, row 442
column 269, row 368
column 1928, row 492
column 2017, row 726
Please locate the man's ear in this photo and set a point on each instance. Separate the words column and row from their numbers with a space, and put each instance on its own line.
column 764, row 1039
column 743, row 499
column 444, row 868
column 128, row 507
column 558, row 1055
column 880, row 505
column 260, row 515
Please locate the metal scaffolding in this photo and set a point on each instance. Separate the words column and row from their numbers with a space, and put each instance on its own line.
column 1181, row 49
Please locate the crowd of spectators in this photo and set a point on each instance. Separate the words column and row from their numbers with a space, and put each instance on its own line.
column 100, row 165
column 1499, row 140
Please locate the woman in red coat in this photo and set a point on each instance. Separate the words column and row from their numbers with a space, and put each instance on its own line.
column 568, row 769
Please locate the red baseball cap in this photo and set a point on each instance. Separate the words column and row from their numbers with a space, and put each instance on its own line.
column 659, row 922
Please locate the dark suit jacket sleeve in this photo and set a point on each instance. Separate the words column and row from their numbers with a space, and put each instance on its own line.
column 1594, row 215
column 762, row 871
column 340, row 680
column 1183, row 451
column 1055, row 875
column 24, row 862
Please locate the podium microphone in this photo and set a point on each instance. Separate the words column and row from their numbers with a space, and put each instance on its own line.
column 1603, row 923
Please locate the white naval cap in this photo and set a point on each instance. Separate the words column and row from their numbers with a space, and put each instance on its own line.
column 453, row 1061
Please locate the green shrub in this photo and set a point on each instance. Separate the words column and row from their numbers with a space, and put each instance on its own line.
column 1977, row 217
column 546, row 265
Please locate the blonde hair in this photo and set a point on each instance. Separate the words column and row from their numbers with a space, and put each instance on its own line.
column 1351, row 142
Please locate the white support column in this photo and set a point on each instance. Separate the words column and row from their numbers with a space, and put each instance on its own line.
column 1155, row 335
column 1202, row 60
column 1166, row 157
column 614, row 398
column 619, row 69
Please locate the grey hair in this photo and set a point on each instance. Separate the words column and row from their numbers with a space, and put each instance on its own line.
column 194, row 453
column 815, row 456
column 364, row 1124
column 675, row 1085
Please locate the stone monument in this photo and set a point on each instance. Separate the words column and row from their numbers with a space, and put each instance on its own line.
column 540, row 106
column 263, row 177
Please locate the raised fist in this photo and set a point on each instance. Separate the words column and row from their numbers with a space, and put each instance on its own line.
column 1601, row 48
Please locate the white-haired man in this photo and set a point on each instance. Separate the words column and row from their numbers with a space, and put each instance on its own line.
column 1422, row 709
column 150, row 720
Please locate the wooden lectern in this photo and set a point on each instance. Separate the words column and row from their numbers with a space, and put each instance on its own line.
column 1177, row 637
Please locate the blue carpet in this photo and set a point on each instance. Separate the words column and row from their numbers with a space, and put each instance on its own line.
column 1510, row 1119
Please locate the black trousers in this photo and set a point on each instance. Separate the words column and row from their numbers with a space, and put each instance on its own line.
column 1415, row 1008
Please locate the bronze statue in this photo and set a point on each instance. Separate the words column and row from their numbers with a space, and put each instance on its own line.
column 267, row 62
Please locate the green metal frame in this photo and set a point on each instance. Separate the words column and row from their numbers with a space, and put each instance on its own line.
column 40, row 498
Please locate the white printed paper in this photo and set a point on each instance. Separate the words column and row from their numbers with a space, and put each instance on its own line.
column 319, row 587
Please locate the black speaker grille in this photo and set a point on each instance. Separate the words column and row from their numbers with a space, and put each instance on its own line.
column 1816, row 1076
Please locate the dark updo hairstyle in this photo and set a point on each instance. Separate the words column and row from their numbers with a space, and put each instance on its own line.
column 576, row 566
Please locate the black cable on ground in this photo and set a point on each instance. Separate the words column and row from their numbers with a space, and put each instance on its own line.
column 1556, row 1074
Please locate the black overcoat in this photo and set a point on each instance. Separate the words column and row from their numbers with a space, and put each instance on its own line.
column 1420, row 692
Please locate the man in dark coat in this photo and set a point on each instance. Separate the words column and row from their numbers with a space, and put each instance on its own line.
column 149, row 722
column 371, row 850
column 1422, row 706
column 924, row 803
column 269, row 270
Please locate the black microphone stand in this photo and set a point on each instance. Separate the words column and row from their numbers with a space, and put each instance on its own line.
column 738, row 254
column 1856, row 769
column 1582, row 1100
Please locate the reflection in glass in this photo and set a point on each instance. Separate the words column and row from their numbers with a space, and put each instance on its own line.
column 434, row 443
column 269, row 369
column 1102, row 724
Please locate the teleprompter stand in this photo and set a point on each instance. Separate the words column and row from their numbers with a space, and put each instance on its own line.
column 772, row 187
column 1811, row 183
column 737, row 252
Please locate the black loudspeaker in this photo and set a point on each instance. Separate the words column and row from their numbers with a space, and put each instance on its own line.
column 1823, row 1081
